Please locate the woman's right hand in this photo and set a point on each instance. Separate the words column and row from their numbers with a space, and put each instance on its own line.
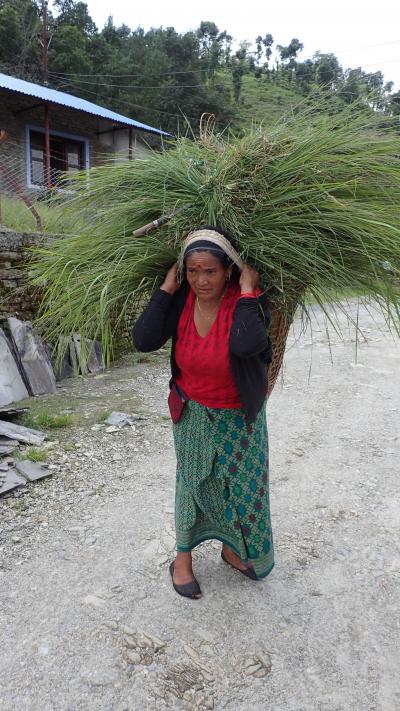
column 170, row 283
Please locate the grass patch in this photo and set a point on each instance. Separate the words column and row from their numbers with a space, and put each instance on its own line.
column 17, row 455
column 70, row 447
column 36, row 454
column 16, row 215
column 103, row 416
column 20, row 506
column 44, row 420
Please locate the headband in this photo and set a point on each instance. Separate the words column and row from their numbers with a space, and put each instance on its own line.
column 209, row 236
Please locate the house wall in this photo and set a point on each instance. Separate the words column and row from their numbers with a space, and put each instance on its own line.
column 101, row 147
column 16, row 299
column 118, row 142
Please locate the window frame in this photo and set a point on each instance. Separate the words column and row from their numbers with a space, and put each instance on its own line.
column 60, row 134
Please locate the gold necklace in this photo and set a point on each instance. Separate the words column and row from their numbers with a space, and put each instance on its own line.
column 208, row 318
column 202, row 314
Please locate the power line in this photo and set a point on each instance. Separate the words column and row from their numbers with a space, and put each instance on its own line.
column 130, row 86
column 366, row 46
column 178, row 86
column 373, row 64
column 136, row 74
column 140, row 106
column 202, row 71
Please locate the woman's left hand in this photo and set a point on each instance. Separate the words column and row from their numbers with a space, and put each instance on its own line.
column 249, row 279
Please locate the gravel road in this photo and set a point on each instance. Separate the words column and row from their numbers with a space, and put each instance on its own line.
column 88, row 618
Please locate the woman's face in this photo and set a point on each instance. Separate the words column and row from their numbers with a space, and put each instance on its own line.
column 206, row 275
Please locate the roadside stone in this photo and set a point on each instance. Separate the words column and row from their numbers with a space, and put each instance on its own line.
column 111, row 624
column 93, row 600
column 12, row 480
column 90, row 358
column 199, row 698
column 43, row 650
column 119, row 419
column 130, row 641
column 7, row 442
column 33, row 358
column 127, row 629
column 257, row 665
column 12, row 387
column 133, row 657
column 158, row 644
column 4, row 449
column 191, row 652
column 20, row 433
column 90, row 541
column 99, row 677
column 31, row 471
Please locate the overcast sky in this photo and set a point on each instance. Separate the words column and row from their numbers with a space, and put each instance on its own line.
column 351, row 29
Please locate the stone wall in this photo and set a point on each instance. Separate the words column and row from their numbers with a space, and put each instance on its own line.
column 16, row 299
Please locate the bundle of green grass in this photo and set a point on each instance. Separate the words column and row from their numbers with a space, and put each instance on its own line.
column 313, row 203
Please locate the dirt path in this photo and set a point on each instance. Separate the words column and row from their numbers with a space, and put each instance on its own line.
column 83, row 569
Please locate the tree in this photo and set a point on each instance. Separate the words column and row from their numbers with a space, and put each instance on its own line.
column 75, row 14
column 259, row 48
column 395, row 103
column 20, row 51
column 239, row 67
column 290, row 52
column 268, row 41
column 327, row 69
column 213, row 46
column 68, row 51
column 305, row 75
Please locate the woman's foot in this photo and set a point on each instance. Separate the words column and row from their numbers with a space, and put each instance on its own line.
column 183, row 578
column 230, row 557
column 233, row 559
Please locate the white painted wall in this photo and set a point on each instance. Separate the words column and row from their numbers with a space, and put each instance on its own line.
column 118, row 142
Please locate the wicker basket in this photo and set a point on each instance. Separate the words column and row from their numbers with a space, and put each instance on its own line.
column 279, row 331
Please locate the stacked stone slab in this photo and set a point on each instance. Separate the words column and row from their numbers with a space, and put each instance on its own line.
column 12, row 387
column 33, row 360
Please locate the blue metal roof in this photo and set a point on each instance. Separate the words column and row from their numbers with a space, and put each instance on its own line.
column 71, row 102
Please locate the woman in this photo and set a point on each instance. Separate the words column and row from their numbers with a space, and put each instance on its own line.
column 218, row 321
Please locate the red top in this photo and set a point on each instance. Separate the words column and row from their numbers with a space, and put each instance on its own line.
column 205, row 373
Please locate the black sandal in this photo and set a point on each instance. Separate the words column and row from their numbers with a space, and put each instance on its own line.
column 190, row 590
column 249, row 572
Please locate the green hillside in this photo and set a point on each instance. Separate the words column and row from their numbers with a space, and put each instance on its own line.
column 263, row 101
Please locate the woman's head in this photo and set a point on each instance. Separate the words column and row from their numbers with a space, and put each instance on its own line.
column 210, row 260
column 206, row 274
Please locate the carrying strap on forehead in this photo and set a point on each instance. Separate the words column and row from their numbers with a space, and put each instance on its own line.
column 189, row 244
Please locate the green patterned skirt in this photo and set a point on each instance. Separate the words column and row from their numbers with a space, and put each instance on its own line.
column 222, row 483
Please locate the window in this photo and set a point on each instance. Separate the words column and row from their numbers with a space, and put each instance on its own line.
column 67, row 155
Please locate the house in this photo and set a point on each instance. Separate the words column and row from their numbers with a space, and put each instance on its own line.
column 45, row 133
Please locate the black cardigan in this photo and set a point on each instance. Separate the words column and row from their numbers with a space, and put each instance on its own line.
column 249, row 344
